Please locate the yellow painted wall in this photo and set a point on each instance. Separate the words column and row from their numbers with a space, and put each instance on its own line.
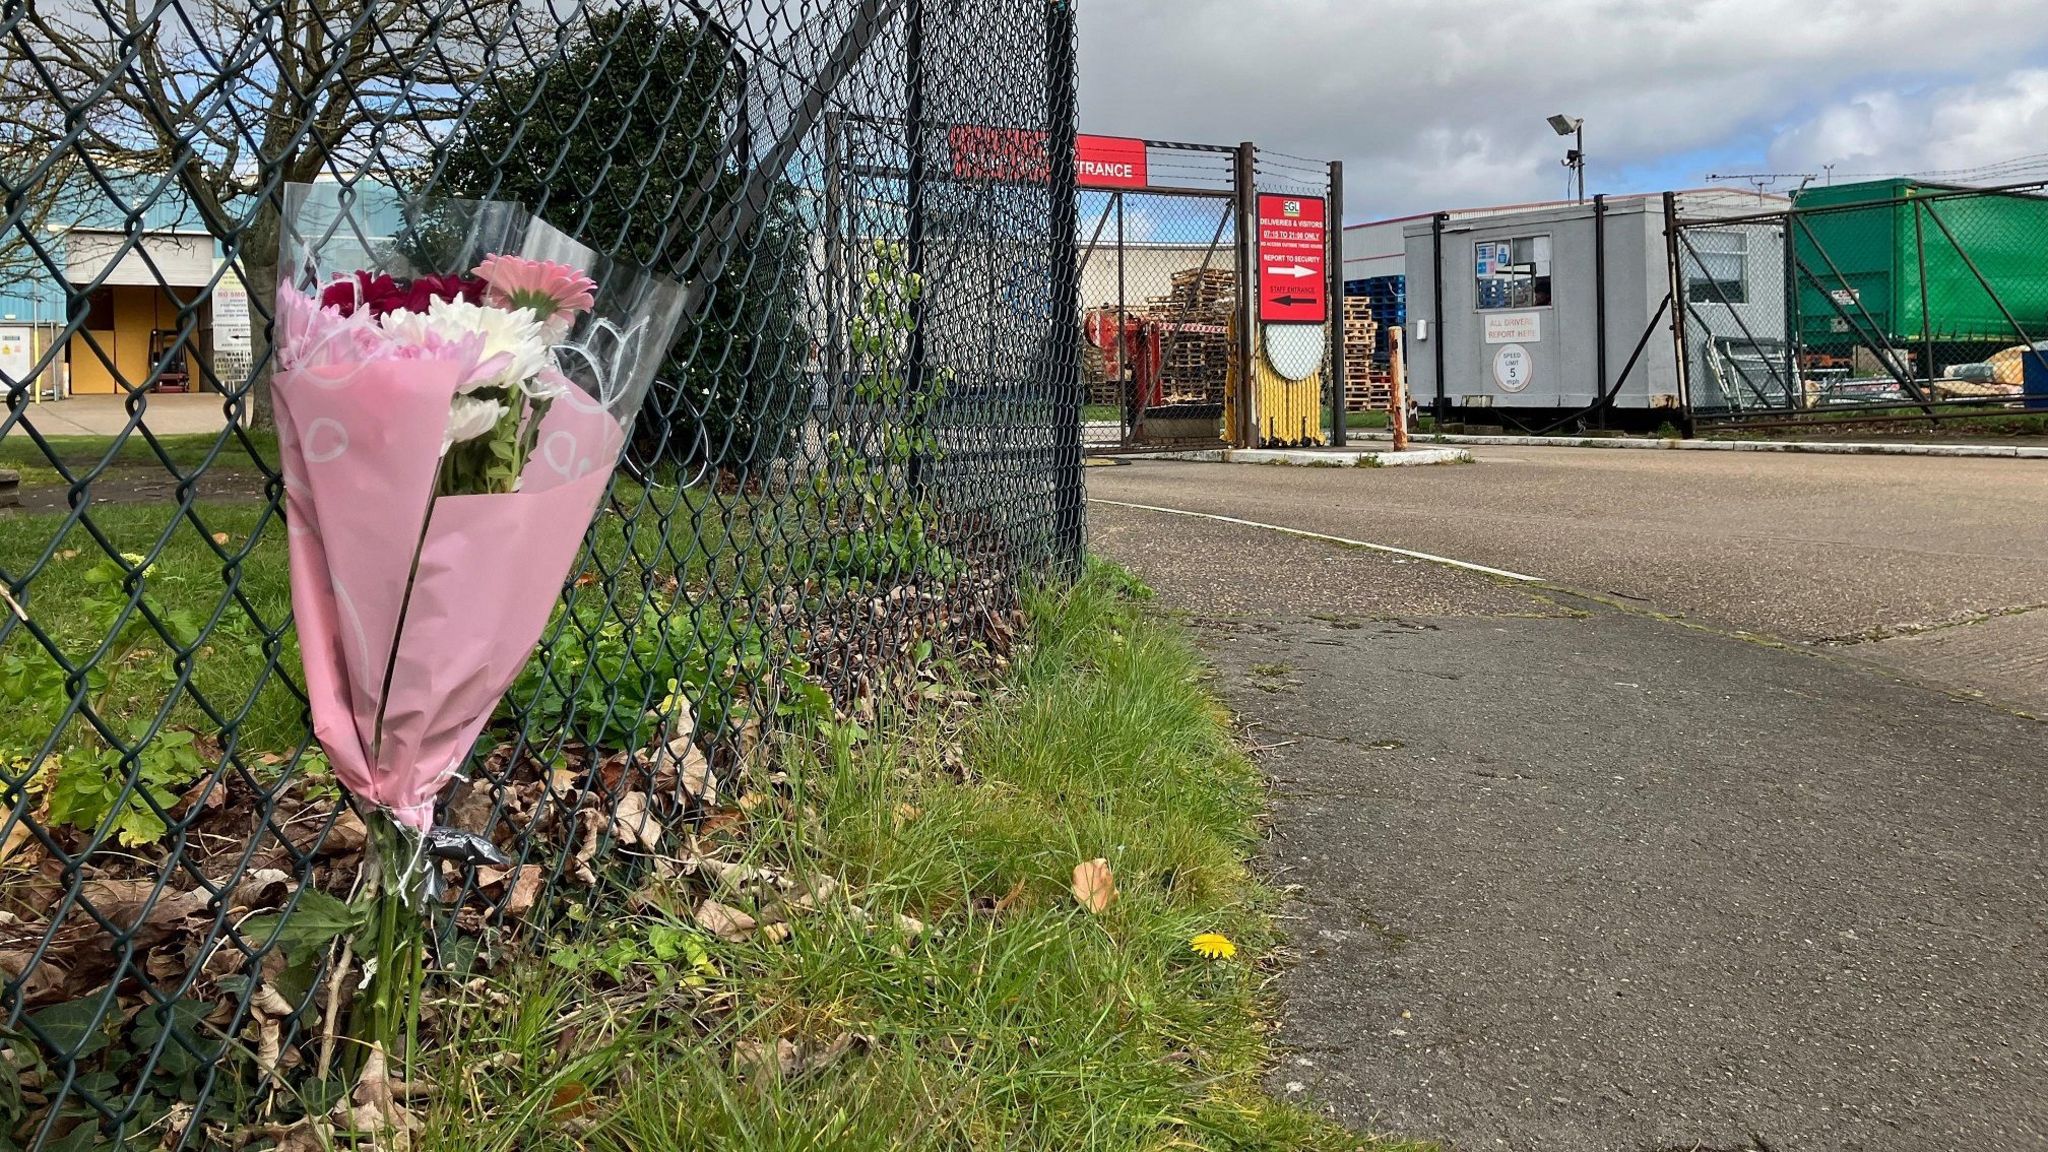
column 138, row 310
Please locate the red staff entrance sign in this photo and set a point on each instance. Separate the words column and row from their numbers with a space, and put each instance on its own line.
column 1017, row 155
column 1109, row 162
column 1294, row 279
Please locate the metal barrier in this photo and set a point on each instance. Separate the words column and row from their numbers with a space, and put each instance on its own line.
column 1892, row 300
column 864, row 438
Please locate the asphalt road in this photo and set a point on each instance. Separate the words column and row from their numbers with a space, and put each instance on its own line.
column 1574, row 875
column 1936, row 568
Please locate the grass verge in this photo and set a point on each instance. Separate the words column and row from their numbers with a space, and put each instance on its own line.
column 186, row 453
column 949, row 992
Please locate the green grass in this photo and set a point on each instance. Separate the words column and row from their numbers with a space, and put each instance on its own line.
column 1096, row 413
column 1037, row 1026
column 186, row 453
column 212, row 572
column 1418, row 423
column 225, row 567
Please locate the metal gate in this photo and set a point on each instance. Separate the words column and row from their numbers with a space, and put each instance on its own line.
column 1892, row 300
column 1160, row 275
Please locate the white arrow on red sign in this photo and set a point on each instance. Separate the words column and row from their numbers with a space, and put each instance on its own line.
column 1294, row 270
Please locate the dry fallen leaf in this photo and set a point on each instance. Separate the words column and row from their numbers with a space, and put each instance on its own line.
column 1012, row 898
column 776, row 933
column 262, row 888
column 176, row 1122
column 698, row 779
column 816, row 891
column 525, row 889
column 594, row 822
column 633, row 824
column 220, row 538
column 348, row 835
column 729, row 874
column 308, row 1135
column 722, row 821
column 569, row 1102
column 759, row 1061
column 134, row 904
column 15, row 834
column 1094, row 885
column 37, row 979
column 374, row 1107
column 269, row 1043
column 724, row 922
column 270, row 1001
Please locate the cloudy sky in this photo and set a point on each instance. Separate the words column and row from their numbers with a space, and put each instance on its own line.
column 1441, row 103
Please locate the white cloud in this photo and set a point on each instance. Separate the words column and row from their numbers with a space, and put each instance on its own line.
column 1439, row 102
column 1952, row 129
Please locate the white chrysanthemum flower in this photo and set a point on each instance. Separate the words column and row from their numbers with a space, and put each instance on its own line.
column 470, row 418
column 550, row 383
column 510, row 332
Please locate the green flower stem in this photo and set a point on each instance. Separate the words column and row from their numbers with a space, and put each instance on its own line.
column 529, row 434
column 387, row 1012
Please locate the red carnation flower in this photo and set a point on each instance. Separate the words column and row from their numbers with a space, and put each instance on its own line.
column 364, row 290
column 383, row 295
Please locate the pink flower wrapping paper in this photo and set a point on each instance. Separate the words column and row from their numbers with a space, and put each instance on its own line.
column 360, row 446
column 416, row 612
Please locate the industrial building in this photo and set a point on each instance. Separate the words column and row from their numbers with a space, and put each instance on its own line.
column 140, row 305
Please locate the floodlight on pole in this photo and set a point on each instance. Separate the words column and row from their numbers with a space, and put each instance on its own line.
column 1575, row 159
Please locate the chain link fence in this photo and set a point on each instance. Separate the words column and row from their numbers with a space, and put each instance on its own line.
column 1890, row 300
column 865, row 436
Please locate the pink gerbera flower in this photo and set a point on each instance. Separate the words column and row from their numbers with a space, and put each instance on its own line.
column 555, row 292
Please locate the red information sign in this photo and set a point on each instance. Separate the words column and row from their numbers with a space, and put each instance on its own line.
column 1017, row 155
column 1294, row 278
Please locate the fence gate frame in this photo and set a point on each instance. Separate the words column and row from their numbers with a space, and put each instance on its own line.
column 1729, row 373
column 1137, row 349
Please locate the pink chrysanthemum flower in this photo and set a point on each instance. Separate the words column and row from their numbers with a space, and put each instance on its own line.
column 555, row 292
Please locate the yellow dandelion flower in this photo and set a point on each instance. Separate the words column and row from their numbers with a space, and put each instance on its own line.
column 1213, row 946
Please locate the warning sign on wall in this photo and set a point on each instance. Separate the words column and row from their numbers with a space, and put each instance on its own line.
column 1293, row 260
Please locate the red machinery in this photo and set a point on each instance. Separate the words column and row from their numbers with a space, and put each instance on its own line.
column 1138, row 360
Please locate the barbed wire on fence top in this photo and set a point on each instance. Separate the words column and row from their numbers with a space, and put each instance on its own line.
column 863, row 437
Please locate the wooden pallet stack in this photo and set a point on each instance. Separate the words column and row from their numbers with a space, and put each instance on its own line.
column 1095, row 373
column 1368, row 386
column 1195, row 349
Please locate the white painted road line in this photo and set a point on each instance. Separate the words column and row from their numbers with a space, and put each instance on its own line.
column 1345, row 540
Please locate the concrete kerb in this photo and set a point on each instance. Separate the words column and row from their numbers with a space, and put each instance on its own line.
column 1311, row 457
column 1818, row 448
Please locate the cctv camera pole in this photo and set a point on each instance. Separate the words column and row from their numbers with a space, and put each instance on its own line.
column 1579, row 156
